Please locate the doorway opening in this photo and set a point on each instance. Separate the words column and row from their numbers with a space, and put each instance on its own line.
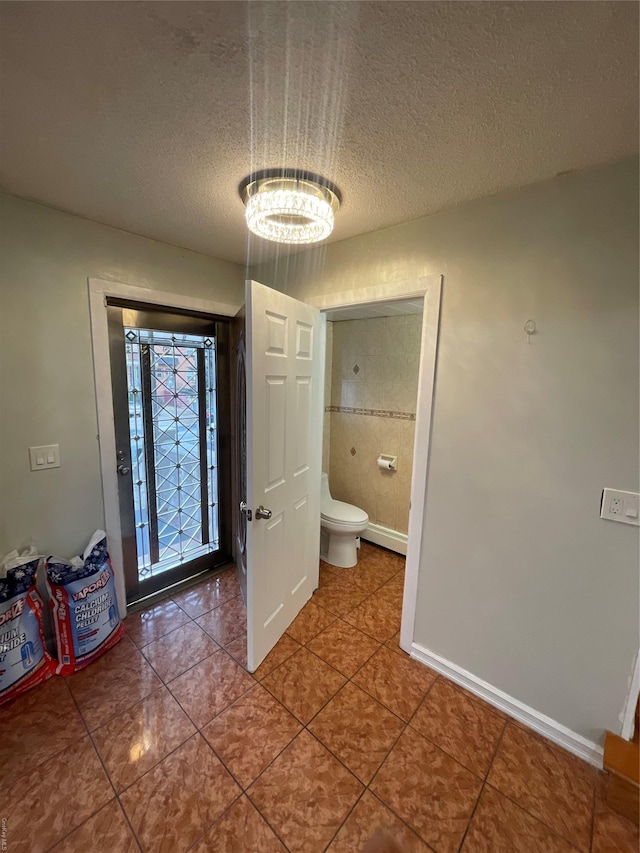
column 371, row 387
column 427, row 291
column 170, row 385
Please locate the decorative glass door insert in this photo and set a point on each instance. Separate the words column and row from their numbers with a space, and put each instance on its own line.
column 171, row 400
column 171, row 385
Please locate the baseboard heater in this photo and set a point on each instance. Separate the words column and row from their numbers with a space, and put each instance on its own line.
column 386, row 537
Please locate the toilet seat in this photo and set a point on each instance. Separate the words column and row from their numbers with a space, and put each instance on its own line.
column 340, row 512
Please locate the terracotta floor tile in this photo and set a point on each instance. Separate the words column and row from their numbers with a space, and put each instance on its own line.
column 393, row 591
column 211, row 686
column 366, row 579
column 240, row 830
column 548, row 782
column 172, row 805
column 309, row 622
column 499, row 824
column 113, row 683
column 249, row 734
column 343, row 647
column 338, row 597
column 107, row 830
column 238, row 650
column 303, row 683
column 394, row 645
column 227, row 622
column 372, row 571
column 147, row 625
column 176, row 652
column 612, row 833
column 305, row 795
column 282, row 650
column 429, row 790
column 203, row 597
column 229, row 580
column 398, row 682
column 377, row 617
column 358, row 730
column 466, row 730
column 381, row 557
column 46, row 804
column 133, row 742
column 371, row 816
column 36, row 726
column 326, row 573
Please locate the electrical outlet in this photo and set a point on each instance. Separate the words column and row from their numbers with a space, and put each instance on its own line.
column 616, row 506
column 620, row 506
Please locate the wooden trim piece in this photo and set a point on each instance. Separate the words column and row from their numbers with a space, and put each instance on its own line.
column 623, row 796
column 622, row 757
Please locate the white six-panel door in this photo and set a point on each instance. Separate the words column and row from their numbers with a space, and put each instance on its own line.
column 284, row 355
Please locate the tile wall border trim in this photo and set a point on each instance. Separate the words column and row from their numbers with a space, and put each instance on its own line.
column 554, row 731
column 375, row 413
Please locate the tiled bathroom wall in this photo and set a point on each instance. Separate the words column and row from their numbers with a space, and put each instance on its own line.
column 326, row 428
column 374, row 383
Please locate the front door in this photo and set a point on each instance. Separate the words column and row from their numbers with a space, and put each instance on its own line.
column 172, row 422
column 279, row 513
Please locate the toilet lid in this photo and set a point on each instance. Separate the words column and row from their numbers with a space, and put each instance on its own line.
column 347, row 513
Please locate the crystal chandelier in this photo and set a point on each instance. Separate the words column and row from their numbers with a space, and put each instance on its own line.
column 289, row 206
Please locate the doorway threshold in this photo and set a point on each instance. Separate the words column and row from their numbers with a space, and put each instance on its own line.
column 169, row 591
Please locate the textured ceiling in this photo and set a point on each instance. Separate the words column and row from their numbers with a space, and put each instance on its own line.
column 146, row 116
column 371, row 310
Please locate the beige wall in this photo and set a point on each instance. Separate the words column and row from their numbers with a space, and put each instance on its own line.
column 374, row 369
column 46, row 380
column 521, row 583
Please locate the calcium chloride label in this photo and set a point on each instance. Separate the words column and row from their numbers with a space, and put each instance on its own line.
column 84, row 606
column 24, row 660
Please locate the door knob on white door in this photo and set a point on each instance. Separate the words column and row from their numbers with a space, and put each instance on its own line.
column 261, row 512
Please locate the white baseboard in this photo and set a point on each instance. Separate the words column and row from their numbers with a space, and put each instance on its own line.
column 551, row 729
column 386, row 537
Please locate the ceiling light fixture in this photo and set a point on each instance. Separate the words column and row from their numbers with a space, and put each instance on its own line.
column 289, row 206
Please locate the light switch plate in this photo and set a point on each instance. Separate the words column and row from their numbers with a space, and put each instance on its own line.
column 620, row 506
column 46, row 456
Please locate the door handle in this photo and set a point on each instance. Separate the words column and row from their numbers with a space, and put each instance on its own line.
column 123, row 470
column 261, row 512
column 244, row 509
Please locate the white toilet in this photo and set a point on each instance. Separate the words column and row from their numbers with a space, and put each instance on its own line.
column 340, row 526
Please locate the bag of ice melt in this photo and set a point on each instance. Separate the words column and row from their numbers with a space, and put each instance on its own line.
column 24, row 659
column 84, row 605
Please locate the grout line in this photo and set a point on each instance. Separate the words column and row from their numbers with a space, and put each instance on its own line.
column 256, row 682
column 593, row 813
column 104, row 769
column 534, row 817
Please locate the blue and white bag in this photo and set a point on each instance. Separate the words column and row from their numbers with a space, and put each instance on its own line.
column 24, row 659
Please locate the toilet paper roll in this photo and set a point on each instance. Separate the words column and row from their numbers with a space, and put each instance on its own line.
column 387, row 464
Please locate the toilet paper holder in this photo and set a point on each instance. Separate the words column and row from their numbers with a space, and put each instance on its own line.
column 388, row 463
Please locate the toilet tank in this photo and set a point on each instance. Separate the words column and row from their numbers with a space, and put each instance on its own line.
column 325, row 494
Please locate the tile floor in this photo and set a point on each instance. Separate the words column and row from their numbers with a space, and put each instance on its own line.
column 168, row 744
